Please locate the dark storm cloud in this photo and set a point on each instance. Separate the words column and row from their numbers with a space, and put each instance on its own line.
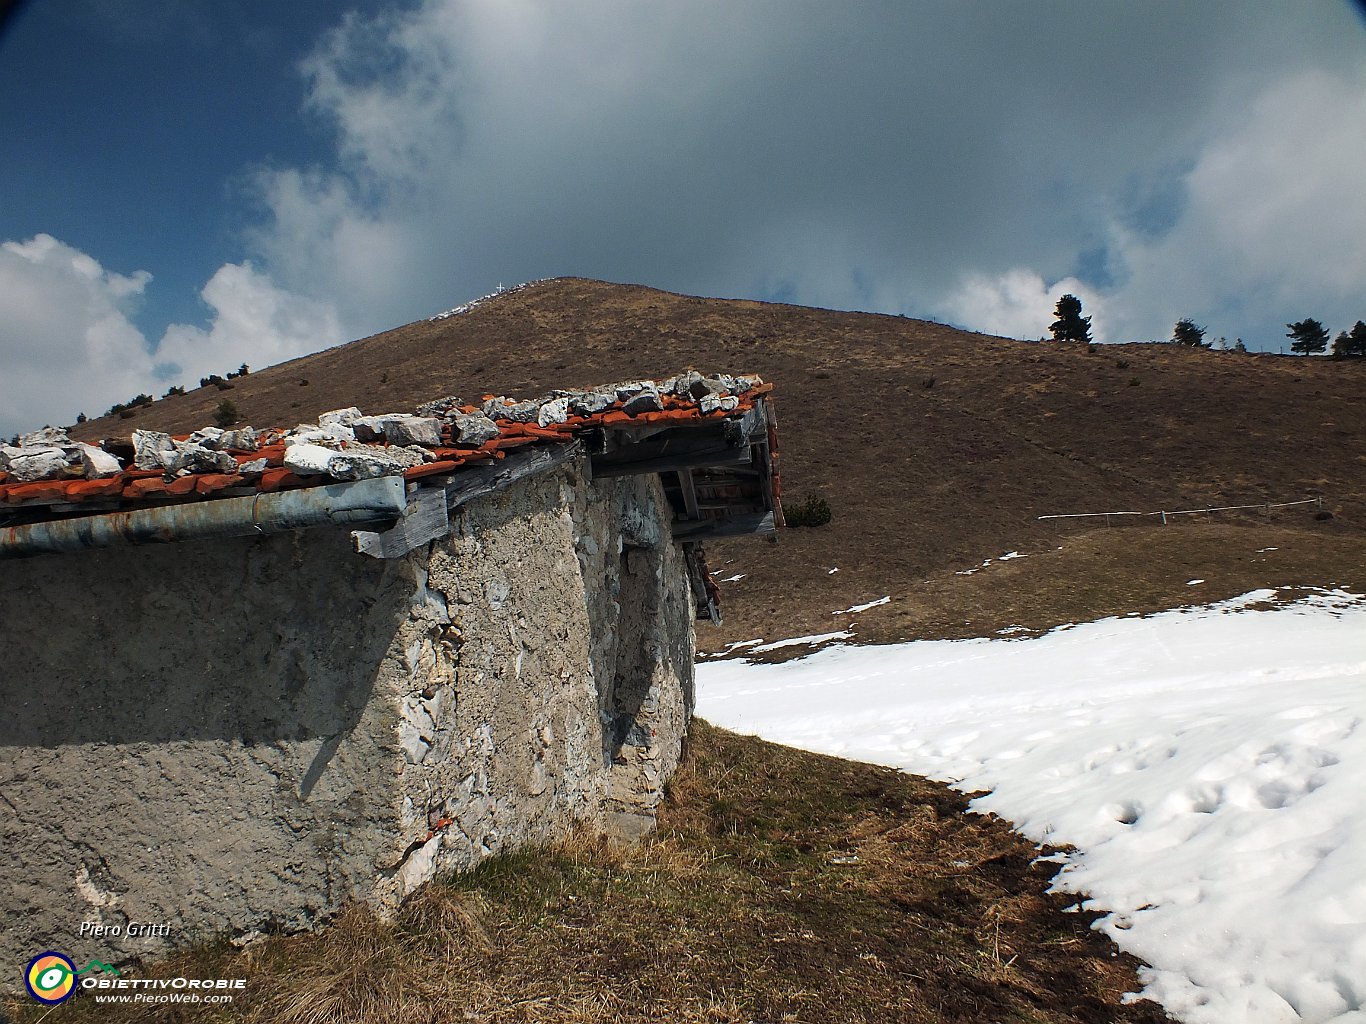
column 880, row 156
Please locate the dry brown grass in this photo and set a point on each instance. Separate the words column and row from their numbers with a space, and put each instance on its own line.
column 924, row 482
column 781, row 886
column 1076, row 576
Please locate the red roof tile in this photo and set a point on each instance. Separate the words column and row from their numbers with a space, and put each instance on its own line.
column 209, row 483
column 138, row 486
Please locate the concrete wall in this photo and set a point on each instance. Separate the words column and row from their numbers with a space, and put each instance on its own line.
column 241, row 735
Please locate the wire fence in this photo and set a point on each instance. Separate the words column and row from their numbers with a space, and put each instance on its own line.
column 1265, row 508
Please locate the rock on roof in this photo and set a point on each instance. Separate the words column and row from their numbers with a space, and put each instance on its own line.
column 48, row 475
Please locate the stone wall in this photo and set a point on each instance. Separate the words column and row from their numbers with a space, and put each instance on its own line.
column 241, row 735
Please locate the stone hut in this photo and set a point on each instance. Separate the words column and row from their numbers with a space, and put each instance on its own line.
column 251, row 676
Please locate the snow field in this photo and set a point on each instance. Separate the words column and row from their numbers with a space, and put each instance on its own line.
column 1208, row 764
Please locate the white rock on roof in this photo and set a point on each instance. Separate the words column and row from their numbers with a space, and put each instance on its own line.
column 518, row 412
column 47, row 437
column 590, row 403
column 552, row 412
column 207, row 436
column 148, row 446
column 189, row 457
column 96, row 462
column 358, row 463
column 343, row 417
column 242, row 438
column 398, row 428
column 474, row 428
column 307, row 459
column 28, row 464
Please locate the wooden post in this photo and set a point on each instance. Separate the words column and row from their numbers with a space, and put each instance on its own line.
column 689, row 489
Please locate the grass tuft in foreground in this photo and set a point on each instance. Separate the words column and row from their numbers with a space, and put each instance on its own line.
column 782, row 886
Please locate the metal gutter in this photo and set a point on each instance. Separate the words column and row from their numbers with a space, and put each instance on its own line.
column 361, row 501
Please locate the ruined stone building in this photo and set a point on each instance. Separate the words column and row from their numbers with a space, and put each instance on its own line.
column 252, row 676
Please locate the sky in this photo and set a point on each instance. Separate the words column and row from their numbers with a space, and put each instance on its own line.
column 190, row 184
column 1201, row 769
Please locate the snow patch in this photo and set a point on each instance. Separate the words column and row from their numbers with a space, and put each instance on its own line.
column 863, row 607
column 811, row 640
column 999, row 558
column 1206, row 764
column 467, row 306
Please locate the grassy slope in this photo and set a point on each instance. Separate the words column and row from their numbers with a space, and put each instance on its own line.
column 925, row 481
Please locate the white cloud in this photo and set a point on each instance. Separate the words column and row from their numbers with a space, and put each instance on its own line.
column 254, row 322
column 1271, row 228
column 1274, row 224
column 1018, row 304
column 68, row 345
column 66, row 341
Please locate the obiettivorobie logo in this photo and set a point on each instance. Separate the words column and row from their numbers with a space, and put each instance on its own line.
column 51, row 977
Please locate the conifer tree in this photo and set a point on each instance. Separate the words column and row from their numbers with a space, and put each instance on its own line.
column 1070, row 325
column 1187, row 332
column 1309, row 336
column 1351, row 345
column 1357, row 340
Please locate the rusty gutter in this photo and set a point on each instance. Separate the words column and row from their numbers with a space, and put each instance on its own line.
column 361, row 501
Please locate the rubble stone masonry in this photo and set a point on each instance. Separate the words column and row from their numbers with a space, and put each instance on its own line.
column 241, row 735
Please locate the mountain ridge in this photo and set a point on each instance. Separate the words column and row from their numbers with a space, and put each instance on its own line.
column 936, row 448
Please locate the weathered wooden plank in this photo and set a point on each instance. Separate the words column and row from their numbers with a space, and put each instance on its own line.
column 426, row 520
column 737, row 526
column 689, row 490
column 768, row 457
column 740, row 475
column 676, row 441
column 753, row 423
column 428, row 515
column 672, row 463
column 697, row 578
column 482, row 480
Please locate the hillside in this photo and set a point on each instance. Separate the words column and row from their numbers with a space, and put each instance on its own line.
column 800, row 887
column 936, row 448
